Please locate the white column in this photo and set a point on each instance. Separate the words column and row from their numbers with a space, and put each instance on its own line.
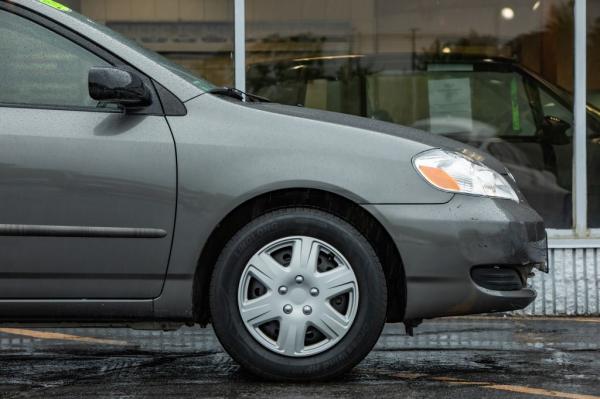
column 580, row 133
column 240, row 44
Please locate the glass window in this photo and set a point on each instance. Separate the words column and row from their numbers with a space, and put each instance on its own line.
column 196, row 34
column 593, row 98
column 40, row 67
column 496, row 74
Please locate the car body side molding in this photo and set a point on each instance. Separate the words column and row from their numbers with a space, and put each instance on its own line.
column 79, row 231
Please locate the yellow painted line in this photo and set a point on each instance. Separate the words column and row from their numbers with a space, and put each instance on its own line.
column 445, row 379
column 61, row 336
column 474, row 383
column 498, row 387
column 538, row 391
column 456, row 381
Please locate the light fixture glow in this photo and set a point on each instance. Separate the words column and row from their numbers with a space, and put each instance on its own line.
column 507, row 13
column 446, row 50
column 536, row 5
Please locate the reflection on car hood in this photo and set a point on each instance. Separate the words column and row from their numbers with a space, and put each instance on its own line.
column 373, row 125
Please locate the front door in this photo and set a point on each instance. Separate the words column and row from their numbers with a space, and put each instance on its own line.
column 87, row 192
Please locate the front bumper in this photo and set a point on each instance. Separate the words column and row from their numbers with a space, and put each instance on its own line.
column 441, row 244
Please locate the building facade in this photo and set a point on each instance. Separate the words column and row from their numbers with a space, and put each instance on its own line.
column 516, row 78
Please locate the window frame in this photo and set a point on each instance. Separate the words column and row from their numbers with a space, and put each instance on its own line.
column 580, row 181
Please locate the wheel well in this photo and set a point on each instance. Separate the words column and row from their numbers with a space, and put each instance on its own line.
column 337, row 205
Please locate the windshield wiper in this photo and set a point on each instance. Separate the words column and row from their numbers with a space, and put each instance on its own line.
column 238, row 94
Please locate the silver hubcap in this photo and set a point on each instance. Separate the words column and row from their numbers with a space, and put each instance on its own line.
column 298, row 296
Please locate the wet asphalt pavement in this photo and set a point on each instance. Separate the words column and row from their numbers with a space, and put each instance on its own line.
column 460, row 357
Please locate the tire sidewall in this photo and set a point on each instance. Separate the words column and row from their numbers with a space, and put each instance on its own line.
column 370, row 315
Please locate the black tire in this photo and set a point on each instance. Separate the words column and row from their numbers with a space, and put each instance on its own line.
column 371, row 310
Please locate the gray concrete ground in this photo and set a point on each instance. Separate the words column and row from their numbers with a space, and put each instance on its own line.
column 458, row 357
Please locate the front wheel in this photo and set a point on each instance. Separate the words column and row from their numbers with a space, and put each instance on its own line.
column 298, row 294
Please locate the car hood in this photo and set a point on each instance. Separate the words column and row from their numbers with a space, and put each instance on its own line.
column 381, row 127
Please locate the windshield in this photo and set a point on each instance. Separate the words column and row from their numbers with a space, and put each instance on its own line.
column 182, row 72
column 567, row 97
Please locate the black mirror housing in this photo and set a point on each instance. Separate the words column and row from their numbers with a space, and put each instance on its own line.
column 114, row 85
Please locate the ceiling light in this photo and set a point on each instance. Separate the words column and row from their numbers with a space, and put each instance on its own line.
column 507, row 13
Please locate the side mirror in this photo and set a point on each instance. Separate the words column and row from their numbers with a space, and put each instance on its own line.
column 554, row 130
column 114, row 85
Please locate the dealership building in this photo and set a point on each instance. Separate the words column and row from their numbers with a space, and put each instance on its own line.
column 516, row 78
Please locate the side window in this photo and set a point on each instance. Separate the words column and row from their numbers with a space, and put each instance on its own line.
column 40, row 67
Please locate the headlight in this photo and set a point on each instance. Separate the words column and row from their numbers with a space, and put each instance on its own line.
column 451, row 171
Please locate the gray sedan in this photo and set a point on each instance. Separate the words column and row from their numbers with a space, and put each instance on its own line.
column 136, row 194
